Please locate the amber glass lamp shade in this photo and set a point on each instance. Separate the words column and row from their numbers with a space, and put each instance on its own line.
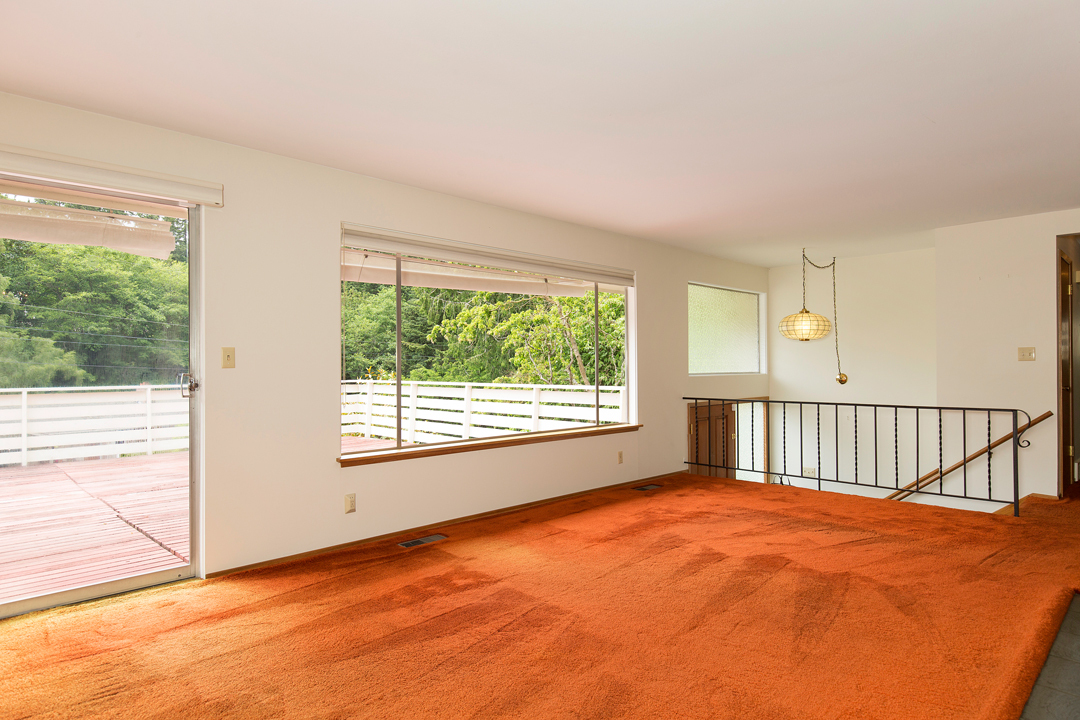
column 805, row 325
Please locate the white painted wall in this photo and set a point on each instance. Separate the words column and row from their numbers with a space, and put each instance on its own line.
column 272, row 485
column 939, row 327
column 886, row 307
column 997, row 292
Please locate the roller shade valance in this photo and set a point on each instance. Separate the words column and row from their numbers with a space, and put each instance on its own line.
column 36, row 222
column 372, row 267
column 361, row 237
column 22, row 165
column 98, row 201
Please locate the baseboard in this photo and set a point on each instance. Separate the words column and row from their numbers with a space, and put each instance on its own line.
column 432, row 526
column 1008, row 509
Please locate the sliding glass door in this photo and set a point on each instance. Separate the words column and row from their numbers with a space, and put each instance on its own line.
column 94, row 424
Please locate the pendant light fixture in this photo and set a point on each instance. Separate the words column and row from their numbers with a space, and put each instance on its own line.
column 805, row 325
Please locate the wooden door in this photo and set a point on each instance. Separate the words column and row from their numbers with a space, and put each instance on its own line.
column 711, row 446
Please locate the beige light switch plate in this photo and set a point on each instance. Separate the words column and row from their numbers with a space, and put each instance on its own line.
column 1025, row 353
column 228, row 357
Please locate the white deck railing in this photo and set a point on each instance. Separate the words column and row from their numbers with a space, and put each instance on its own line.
column 442, row 411
column 49, row 424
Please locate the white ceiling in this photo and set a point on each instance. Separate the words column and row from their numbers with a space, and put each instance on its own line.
column 744, row 128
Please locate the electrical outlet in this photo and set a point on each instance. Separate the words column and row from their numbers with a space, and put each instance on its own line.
column 350, row 503
column 1025, row 353
column 620, row 457
column 228, row 357
column 809, row 472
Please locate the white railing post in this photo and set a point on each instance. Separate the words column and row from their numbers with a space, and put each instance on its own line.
column 624, row 409
column 536, row 409
column 413, row 392
column 149, row 421
column 25, row 429
column 466, row 425
column 370, row 390
column 344, row 402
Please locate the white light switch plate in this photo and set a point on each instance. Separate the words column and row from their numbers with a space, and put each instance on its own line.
column 1025, row 353
column 228, row 357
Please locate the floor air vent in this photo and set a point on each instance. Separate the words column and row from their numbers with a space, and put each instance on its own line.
column 648, row 487
column 422, row 541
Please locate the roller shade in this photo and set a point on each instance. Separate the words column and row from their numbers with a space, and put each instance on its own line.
column 85, row 198
column 420, row 246
column 36, row 222
column 371, row 267
column 22, row 165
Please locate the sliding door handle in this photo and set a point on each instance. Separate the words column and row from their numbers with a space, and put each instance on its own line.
column 187, row 383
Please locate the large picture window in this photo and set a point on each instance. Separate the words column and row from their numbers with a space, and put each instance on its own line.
column 442, row 346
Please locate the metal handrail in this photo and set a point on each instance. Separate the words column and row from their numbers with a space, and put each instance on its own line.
column 843, row 456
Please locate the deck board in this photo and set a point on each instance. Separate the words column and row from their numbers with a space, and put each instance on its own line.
column 70, row 524
column 355, row 444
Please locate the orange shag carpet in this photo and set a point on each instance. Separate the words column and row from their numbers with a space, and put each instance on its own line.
column 707, row 598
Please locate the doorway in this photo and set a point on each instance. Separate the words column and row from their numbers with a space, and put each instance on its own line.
column 95, row 455
column 712, row 447
column 729, row 438
column 1065, row 373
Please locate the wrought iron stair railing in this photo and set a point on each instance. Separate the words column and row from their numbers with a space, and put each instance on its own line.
column 893, row 451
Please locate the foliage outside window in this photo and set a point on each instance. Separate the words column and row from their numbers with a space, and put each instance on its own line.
column 478, row 362
column 74, row 315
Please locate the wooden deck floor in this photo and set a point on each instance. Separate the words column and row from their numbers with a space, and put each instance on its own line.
column 353, row 444
column 70, row 524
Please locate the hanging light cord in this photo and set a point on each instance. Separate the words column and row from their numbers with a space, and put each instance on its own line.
column 836, row 330
column 804, row 261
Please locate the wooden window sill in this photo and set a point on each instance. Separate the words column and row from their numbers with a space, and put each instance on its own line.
column 381, row 456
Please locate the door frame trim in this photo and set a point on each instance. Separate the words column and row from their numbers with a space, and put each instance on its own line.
column 96, row 591
column 196, row 405
column 1064, row 255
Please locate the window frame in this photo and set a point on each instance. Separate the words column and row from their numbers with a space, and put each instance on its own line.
column 762, row 334
column 405, row 246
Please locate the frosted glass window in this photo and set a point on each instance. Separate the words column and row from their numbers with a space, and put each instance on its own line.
column 724, row 331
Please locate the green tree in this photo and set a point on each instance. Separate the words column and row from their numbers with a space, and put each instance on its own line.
column 32, row 362
column 475, row 336
column 122, row 316
column 458, row 332
column 544, row 340
column 125, row 317
column 369, row 334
